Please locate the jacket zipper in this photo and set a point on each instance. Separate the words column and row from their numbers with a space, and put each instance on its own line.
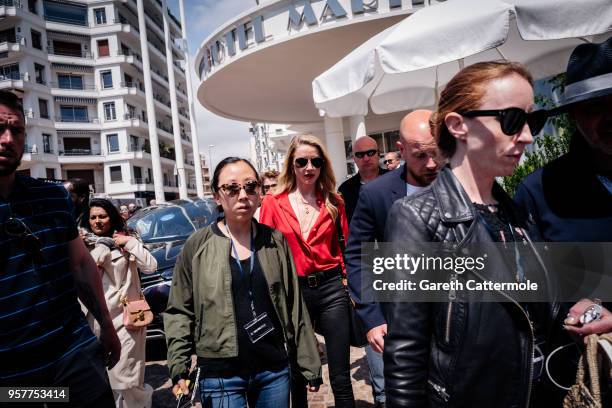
column 452, row 295
column 440, row 390
column 532, row 346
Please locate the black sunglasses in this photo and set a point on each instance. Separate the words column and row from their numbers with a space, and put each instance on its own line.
column 388, row 161
column 369, row 153
column 316, row 162
column 16, row 228
column 233, row 189
column 269, row 186
column 512, row 120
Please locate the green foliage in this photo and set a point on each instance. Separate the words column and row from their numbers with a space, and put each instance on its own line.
column 547, row 147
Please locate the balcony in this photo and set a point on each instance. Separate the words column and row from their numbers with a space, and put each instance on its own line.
column 79, row 152
column 140, row 181
column 69, row 52
column 14, row 80
column 10, row 8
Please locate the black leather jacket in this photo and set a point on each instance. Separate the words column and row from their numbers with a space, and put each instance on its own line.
column 458, row 354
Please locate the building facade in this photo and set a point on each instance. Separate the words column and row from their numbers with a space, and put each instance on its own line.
column 206, row 176
column 82, row 74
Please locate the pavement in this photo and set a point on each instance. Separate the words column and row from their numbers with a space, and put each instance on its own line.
column 156, row 374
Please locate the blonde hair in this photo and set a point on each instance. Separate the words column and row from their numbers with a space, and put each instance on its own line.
column 465, row 91
column 326, row 183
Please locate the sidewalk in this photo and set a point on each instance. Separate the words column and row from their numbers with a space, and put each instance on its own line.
column 156, row 374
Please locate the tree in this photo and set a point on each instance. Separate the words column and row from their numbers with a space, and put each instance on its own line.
column 546, row 147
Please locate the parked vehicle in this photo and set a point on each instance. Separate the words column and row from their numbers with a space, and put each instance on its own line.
column 164, row 229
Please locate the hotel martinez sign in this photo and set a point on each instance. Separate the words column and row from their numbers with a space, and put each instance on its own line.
column 276, row 21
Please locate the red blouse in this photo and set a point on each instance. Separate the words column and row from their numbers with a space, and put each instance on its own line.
column 321, row 250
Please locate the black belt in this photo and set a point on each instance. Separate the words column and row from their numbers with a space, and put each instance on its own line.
column 317, row 278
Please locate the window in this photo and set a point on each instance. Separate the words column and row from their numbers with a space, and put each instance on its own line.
column 138, row 174
column 8, row 36
column 63, row 12
column 70, row 49
column 134, row 145
column 9, row 71
column 391, row 138
column 100, row 14
column 113, row 143
column 47, row 143
column 73, row 114
column 103, row 49
column 43, row 108
column 109, row 111
column 149, row 175
column 32, row 6
column 131, row 112
column 36, row 39
column 39, row 71
column 67, row 81
column 106, row 79
column 115, row 174
column 50, row 173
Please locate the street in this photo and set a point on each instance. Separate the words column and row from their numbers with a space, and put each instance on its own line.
column 156, row 375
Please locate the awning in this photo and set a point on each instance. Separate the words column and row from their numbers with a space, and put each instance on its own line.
column 71, row 99
column 77, row 133
column 72, row 67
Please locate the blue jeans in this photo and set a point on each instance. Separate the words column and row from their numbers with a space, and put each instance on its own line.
column 377, row 375
column 265, row 389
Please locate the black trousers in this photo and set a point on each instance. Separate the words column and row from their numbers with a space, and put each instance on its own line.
column 328, row 307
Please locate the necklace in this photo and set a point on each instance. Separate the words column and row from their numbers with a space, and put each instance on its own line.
column 305, row 204
column 304, row 221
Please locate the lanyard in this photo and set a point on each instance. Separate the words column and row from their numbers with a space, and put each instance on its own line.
column 252, row 262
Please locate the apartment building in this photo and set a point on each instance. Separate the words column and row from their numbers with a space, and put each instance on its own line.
column 206, row 176
column 82, row 73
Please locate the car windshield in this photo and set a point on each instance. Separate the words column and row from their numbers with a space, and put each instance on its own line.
column 171, row 222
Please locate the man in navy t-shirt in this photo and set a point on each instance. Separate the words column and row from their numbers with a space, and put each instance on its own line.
column 44, row 266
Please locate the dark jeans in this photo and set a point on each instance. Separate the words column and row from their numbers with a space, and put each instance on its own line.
column 328, row 307
column 83, row 372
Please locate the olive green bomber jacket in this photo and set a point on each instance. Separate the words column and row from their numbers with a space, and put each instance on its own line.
column 200, row 309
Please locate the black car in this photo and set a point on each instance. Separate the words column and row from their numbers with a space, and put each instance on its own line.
column 164, row 229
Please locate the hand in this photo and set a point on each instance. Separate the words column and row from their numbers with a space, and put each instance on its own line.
column 573, row 325
column 121, row 240
column 111, row 344
column 376, row 337
column 313, row 388
column 180, row 388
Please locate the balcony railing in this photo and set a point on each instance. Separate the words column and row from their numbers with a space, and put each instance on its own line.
column 72, row 119
column 79, row 152
column 140, row 181
column 11, row 3
column 161, row 99
column 169, row 184
column 12, row 76
column 168, row 129
column 128, row 53
column 68, row 52
column 73, row 87
column 131, row 84
column 66, row 20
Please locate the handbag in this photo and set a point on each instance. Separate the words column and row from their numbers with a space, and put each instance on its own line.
column 580, row 394
column 357, row 332
column 136, row 313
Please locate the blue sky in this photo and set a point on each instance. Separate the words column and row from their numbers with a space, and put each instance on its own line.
column 203, row 17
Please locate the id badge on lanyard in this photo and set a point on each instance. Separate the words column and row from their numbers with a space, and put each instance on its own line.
column 261, row 325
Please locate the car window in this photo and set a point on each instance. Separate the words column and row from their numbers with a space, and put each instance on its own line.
column 199, row 214
column 163, row 223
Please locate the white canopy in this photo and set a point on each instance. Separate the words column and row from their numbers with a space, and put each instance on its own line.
column 404, row 66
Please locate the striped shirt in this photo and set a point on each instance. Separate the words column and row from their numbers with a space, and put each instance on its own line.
column 40, row 318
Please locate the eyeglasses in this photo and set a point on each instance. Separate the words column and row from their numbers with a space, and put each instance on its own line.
column 512, row 120
column 268, row 186
column 388, row 161
column 316, row 162
column 16, row 228
column 368, row 153
column 233, row 189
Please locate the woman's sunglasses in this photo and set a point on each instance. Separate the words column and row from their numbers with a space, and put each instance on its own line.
column 369, row 153
column 512, row 120
column 233, row 189
column 16, row 228
column 316, row 162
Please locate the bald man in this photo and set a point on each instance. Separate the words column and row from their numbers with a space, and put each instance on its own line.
column 365, row 155
column 422, row 163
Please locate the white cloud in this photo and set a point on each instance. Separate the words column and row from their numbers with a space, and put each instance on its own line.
column 231, row 138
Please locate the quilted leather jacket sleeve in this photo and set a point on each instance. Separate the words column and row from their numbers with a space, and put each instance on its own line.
column 409, row 325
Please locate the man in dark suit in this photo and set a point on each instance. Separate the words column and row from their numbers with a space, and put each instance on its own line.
column 365, row 155
column 422, row 163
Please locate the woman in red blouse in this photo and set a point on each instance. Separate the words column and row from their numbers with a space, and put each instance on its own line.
column 305, row 208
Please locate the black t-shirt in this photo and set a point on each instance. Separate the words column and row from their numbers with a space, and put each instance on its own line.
column 268, row 354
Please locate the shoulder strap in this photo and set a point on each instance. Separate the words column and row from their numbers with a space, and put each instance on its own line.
column 341, row 238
